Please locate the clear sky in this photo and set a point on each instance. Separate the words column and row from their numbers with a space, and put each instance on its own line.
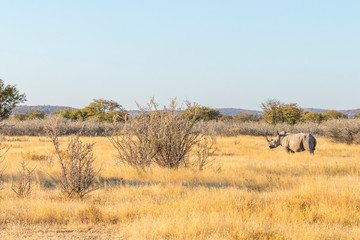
column 223, row 53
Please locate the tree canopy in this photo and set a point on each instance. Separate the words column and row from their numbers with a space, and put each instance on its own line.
column 277, row 112
column 100, row 109
column 333, row 114
column 9, row 99
column 198, row 113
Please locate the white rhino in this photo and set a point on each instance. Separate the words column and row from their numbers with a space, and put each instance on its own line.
column 294, row 142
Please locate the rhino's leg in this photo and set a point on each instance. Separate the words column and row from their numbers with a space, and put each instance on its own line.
column 288, row 150
column 312, row 148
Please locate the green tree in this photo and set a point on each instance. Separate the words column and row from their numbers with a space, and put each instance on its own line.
column 37, row 114
column 65, row 113
column 9, row 99
column 357, row 116
column 333, row 114
column 291, row 113
column 18, row 117
column 73, row 114
column 78, row 114
column 99, row 109
column 277, row 112
column 312, row 117
column 272, row 111
column 105, row 110
column 197, row 113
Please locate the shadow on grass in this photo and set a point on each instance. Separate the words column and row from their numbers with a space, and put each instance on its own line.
column 116, row 182
column 47, row 182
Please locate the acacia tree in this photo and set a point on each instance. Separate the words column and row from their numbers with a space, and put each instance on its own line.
column 73, row 114
column 277, row 112
column 9, row 99
column 312, row 117
column 272, row 111
column 37, row 114
column 333, row 114
column 100, row 109
column 291, row 113
column 105, row 110
column 197, row 113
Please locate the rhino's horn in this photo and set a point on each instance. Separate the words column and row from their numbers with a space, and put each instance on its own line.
column 267, row 139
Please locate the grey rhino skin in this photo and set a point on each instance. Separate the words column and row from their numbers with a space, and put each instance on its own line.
column 294, row 142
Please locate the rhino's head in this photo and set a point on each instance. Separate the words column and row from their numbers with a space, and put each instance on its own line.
column 273, row 143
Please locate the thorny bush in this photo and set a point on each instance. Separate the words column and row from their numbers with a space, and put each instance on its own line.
column 160, row 137
column 78, row 174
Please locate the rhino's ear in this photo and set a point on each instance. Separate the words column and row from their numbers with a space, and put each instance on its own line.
column 277, row 132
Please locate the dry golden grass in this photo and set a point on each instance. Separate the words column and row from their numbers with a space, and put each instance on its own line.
column 249, row 192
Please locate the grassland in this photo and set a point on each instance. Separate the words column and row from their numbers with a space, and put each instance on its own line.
column 249, row 192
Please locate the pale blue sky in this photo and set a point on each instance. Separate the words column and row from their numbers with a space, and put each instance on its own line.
column 217, row 53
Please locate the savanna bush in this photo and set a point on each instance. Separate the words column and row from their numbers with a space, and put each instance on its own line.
column 339, row 130
column 76, row 161
column 162, row 137
column 343, row 130
column 234, row 128
column 67, row 127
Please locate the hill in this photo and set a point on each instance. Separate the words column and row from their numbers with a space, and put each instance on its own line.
column 350, row 113
column 47, row 109
column 234, row 111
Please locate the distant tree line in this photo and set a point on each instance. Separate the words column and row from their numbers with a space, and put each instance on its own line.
column 102, row 110
column 37, row 114
column 277, row 112
column 108, row 111
column 274, row 112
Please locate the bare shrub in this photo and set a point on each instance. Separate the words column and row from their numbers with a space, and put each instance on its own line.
column 156, row 136
column 94, row 128
column 3, row 150
column 357, row 138
column 77, row 171
column 235, row 128
column 133, row 144
column 173, row 136
column 343, row 130
column 68, row 127
column 339, row 130
column 204, row 150
column 23, row 186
